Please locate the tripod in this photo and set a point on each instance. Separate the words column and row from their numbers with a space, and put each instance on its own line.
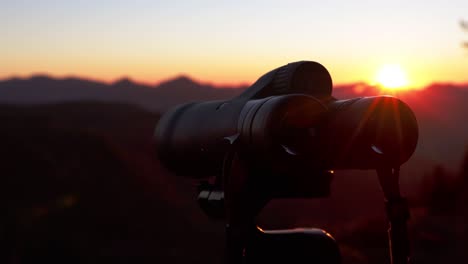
column 242, row 191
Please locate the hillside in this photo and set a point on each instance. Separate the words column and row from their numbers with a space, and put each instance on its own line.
column 80, row 183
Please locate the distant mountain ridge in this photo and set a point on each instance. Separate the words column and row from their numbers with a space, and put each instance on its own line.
column 42, row 89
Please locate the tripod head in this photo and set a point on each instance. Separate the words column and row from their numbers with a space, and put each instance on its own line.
column 282, row 138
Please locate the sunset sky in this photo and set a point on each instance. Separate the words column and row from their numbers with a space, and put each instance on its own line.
column 232, row 42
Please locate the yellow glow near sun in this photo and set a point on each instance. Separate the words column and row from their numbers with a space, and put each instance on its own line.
column 392, row 76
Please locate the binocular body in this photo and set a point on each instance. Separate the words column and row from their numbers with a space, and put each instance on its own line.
column 282, row 138
column 288, row 116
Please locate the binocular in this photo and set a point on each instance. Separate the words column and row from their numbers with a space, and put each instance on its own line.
column 282, row 138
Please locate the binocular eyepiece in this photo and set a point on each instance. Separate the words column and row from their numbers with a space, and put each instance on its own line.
column 288, row 117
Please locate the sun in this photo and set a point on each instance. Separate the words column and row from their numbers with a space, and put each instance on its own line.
column 392, row 77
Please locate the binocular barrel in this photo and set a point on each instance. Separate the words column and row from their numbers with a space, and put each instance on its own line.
column 190, row 138
column 368, row 133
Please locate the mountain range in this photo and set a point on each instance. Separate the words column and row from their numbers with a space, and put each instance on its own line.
column 42, row 89
column 441, row 109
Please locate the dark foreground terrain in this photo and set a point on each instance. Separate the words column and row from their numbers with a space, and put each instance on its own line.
column 80, row 183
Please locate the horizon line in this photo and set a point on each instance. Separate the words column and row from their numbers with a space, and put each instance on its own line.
column 218, row 85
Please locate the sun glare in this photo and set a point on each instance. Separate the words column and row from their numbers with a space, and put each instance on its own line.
column 392, row 77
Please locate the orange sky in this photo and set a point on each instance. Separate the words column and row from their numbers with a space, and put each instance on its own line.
column 227, row 43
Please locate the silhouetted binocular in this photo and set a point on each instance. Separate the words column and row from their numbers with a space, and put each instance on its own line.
column 281, row 138
column 288, row 115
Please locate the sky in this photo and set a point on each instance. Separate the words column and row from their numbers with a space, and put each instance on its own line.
column 232, row 42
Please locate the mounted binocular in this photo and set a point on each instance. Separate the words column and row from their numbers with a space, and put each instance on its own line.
column 282, row 138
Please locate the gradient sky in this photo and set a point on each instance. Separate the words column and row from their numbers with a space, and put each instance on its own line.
column 231, row 42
